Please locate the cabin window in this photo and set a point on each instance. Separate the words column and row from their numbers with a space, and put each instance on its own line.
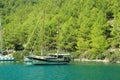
column 60, row 56
column 53, row 55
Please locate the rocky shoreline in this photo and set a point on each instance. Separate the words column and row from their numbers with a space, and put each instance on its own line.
column 95, row 60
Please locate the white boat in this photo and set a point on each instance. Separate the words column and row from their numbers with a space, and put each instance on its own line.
column 6, row 58
column 27, row 59
column 51, row 59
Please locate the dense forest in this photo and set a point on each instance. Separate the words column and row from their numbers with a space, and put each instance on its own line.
column 85, row 28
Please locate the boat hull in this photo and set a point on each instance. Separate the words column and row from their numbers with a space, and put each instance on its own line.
column 35, row 62
column 39, row 61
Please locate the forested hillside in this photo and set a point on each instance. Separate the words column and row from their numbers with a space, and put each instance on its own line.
column 89, row 28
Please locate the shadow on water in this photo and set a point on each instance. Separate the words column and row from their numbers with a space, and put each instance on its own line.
column 48, row 65
column 6, row 62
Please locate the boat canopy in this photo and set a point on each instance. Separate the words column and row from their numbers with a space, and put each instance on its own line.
column 60, row 54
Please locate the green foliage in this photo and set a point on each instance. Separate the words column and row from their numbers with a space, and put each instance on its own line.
column 85, row 27
column 18, row 56
column 113, row 55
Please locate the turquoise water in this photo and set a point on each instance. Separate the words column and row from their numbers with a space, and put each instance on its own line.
column 74, row 71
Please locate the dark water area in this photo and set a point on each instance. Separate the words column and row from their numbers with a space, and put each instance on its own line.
column 73, row 71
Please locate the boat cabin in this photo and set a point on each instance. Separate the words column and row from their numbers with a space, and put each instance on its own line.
column 65, row 57
column 60, row 55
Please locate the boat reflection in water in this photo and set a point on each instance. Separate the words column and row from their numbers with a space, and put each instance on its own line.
column 51, row 59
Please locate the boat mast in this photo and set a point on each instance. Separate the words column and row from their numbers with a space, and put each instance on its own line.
column 43, row 34
column 35, row 28
column 58, row 34
column 0, row 35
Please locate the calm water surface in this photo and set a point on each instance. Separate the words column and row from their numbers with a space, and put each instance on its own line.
column 74, row 71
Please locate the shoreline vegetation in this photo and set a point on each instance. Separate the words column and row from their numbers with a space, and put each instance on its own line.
column 94, row 60
column 87, row 29
column 88, row 60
